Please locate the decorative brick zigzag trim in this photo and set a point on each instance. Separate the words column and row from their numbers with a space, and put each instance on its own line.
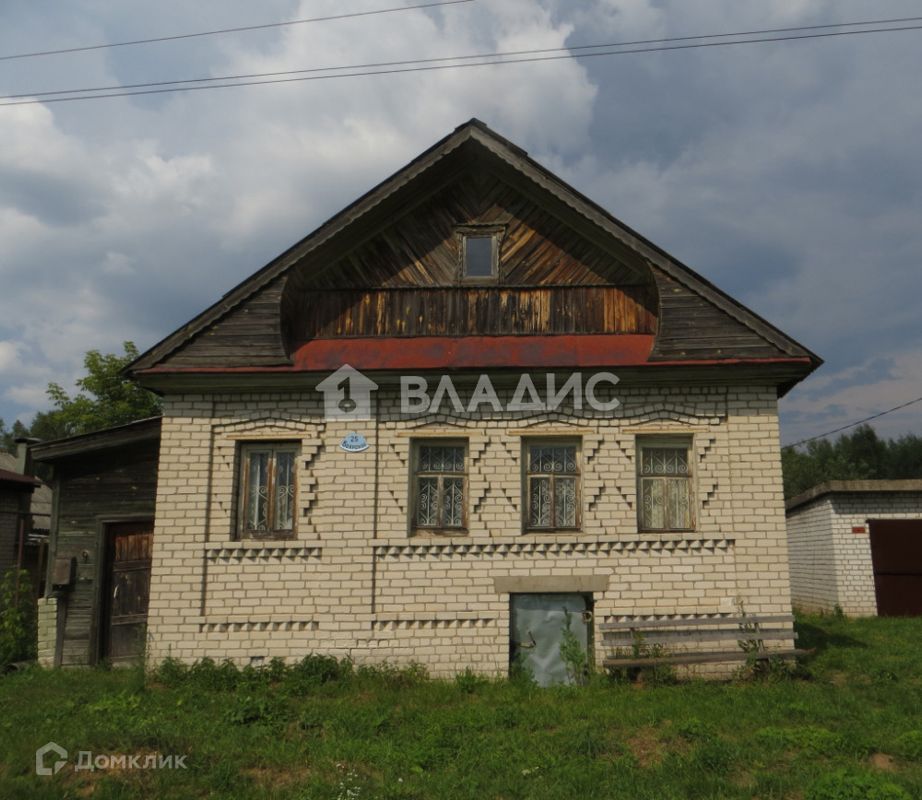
column 293, row 553
column 458, row 550
column 289, row 625
column 642, row 618
column 431, row 624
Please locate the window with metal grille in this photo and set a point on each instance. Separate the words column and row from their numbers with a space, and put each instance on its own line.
column 552, row 488
column 440, row 485
column 266, row 508
column 665, row 484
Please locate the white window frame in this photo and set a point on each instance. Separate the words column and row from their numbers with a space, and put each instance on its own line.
column 528, row 475
column 667, row 442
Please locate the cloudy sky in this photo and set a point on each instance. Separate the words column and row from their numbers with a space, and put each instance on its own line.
column 787, row 173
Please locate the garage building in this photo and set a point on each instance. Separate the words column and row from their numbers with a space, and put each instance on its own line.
column 857, row 545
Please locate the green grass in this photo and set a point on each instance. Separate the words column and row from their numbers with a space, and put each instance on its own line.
column 851, row 729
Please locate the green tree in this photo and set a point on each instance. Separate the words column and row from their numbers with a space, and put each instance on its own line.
column 904, row 457
column 8, row 436
column 105, row 397
column 859, row 455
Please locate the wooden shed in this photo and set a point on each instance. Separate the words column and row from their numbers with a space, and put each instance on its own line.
column 16, row 492
column 105, row 487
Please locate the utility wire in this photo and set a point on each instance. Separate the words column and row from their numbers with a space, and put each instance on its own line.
column 855, row 424
column 433, row 67
column 410, row 62
column 239, row 29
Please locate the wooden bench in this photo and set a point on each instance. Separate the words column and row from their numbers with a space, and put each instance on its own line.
column 753, row 630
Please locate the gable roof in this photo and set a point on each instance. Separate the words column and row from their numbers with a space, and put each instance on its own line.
column 475, row 133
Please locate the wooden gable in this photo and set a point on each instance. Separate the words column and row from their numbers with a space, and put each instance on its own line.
column 388, row 267
column 406, row 280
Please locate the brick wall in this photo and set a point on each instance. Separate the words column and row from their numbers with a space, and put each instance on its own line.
column 354, row 581
column 47, row 629
column 811, row 549
column 823, row 545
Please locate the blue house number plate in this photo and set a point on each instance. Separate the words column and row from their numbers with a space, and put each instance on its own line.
column 353, row 443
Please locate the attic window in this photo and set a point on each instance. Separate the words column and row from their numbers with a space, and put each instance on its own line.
column 479, row 254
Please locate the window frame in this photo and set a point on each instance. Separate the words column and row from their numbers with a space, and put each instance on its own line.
column 495, row 234
column 527, row 475
column 274, row 447
column 416, row 473
column 667, row 442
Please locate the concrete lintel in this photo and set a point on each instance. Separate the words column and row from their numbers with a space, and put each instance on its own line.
column 541, row 584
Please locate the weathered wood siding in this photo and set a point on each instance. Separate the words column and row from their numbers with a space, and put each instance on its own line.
column 483, row 310
column 248, row 335
column 9, row 528
column 690, row 327
column 422, row 247
column 112, row 484
column 406, row 280
column 403, row 279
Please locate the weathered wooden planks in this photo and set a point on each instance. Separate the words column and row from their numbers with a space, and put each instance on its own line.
column 422, row 248
column 693, row 328
column 694, row 622
column 672, row 637
column 480, row 310
column 249, row 335
column 691, row 632
column 111, row 484
column 710, row 657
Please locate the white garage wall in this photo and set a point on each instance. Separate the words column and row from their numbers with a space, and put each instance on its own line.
column 831, row 565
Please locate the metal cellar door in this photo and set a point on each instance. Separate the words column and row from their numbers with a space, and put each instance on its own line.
column 538, row 622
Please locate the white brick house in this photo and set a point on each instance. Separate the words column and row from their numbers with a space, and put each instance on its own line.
column 419, row 537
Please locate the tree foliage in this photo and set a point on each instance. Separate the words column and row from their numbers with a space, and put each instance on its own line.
column 105, row 397
column 860, row 455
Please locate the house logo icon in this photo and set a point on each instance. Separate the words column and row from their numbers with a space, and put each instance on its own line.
column 347, row 394
column 51, row 747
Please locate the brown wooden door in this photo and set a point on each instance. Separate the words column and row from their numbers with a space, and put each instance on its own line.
column 124, row 624
column 896, row 550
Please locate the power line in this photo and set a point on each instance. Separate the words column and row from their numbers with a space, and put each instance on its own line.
column 855, row 424
column 434, row 67
column 410, row 62
column 238, row 29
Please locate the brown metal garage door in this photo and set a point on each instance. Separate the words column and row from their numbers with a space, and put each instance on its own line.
column 896, row 551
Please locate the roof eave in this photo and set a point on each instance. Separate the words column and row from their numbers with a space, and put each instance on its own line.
column 117, row 436
column 829, row 488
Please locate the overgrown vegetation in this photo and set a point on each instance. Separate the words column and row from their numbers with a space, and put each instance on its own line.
column 860, row 455
column 573, row 654
column 17, row 618
column 656, row 674
column 326, row 728
column 105, row 398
